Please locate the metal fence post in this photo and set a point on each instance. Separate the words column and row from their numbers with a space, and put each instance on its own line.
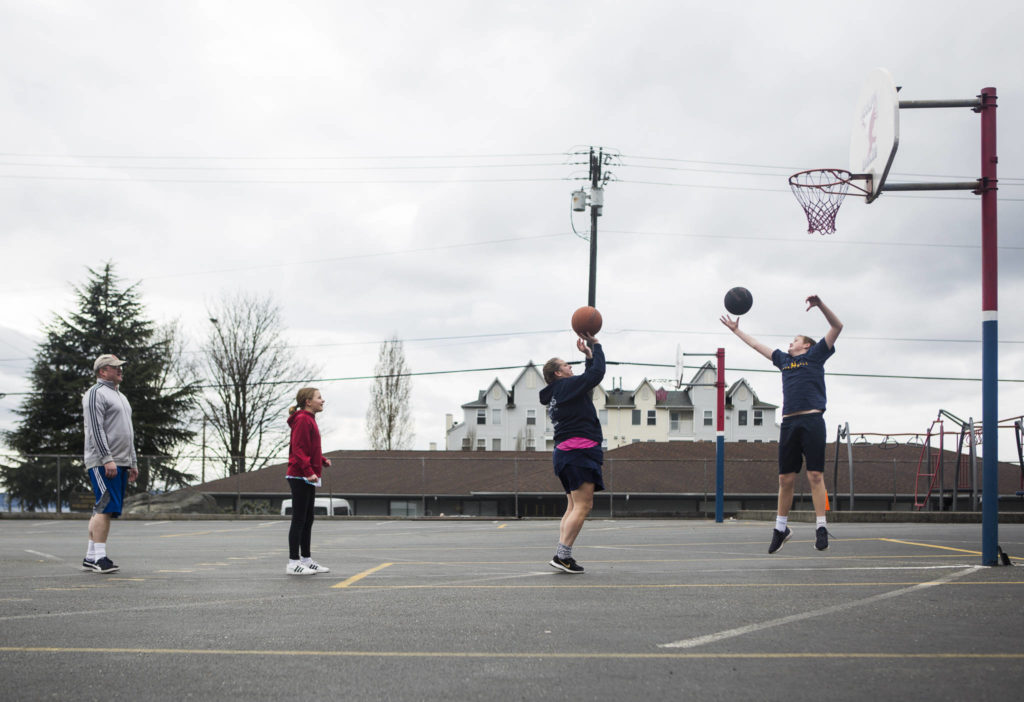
column 611, row 488
column 515, row 485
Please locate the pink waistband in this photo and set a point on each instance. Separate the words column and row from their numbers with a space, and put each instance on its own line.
column 576, row 443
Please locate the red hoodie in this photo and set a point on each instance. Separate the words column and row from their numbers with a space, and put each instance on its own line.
column 305, row 459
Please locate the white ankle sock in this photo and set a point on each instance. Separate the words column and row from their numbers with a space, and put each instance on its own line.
column 821, row 521
column 90, row 553
column 101, row 551
column 780, row 523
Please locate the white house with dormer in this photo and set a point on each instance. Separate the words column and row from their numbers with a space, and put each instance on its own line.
column 513, row 419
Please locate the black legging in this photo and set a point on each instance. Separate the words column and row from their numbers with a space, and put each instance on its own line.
column 303, row 495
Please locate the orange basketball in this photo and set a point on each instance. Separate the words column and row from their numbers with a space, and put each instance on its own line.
column 586, row 320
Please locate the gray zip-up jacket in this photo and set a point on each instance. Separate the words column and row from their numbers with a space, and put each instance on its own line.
column 108, row 427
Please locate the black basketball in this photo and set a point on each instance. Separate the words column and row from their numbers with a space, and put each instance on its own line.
column 738, row 301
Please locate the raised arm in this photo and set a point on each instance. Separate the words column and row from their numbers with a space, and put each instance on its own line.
column 834, row 325
column 734, row 327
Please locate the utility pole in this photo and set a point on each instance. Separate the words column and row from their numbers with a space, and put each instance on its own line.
column 596, row 204
column 595, row 199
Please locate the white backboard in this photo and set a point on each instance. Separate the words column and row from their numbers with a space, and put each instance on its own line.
column 876, row 129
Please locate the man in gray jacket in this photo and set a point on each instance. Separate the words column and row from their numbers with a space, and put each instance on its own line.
column 109, row 455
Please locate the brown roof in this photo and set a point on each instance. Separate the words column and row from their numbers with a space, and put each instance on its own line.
column 662, row 467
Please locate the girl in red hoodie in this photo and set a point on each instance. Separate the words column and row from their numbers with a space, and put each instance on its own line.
column 305, row 466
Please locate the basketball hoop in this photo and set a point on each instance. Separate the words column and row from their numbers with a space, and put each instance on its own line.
column 820, row 192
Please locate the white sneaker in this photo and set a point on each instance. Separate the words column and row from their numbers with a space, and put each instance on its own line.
column 316, row 567
column 298, row 569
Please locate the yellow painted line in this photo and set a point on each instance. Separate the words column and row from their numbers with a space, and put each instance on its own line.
column 68, row 589
column 176, row 571
column 359, row 576
column 502, row 526
column 716, row 559
column 212, row 564
column 130, row 580
column 815, row 655
column 663, row 586
column 944, row 548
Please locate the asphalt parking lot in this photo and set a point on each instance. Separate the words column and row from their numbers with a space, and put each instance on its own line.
column 470, row 610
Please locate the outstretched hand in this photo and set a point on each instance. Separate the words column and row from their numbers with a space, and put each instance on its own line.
column 813, row 301
column 728, row 321
column 581, row 344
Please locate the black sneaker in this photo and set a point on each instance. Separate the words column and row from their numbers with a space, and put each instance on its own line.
column 568, row 565
column 821, row 538
column 105, row 565
column 88, row 565
column 779, row 538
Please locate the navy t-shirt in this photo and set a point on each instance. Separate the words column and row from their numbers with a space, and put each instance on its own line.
column 803, row 378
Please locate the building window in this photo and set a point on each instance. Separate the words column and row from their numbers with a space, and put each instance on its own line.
column 673, row 421
column 603, row 415
column 636, row 418
column 481, row 444
column 531, row 444
column 652, row 418
column 758, row 418
column 496, row 416
column 404, row 508
column 531, row 416
column 742, row 418
column 481, row 416
column 467, row 443
column 495, row 444
column 708, row 420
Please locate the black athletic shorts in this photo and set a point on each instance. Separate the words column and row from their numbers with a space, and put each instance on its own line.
column 802, row 437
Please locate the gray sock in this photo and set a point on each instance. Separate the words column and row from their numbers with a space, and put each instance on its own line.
column 563, row 551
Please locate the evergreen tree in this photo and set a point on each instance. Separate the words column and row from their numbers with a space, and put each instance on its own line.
column 109, row 318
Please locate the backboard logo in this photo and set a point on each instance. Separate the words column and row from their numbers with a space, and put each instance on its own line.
column 868, row 119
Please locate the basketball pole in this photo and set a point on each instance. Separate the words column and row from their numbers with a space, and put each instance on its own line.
column 987, row 188
column 989, row 331
column 720, row 440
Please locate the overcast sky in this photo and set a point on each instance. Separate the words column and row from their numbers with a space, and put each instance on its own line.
column 406, row 168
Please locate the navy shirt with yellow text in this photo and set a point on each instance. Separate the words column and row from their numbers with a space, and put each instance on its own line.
column 803, row 378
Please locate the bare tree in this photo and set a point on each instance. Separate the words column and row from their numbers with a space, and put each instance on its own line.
column 388, row 422
column 254, row 375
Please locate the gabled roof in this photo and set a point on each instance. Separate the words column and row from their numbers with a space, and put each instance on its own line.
column 758, row 404
column 481, row 400
column 617, row 397
column 529, row 365
column 676, row 399
column 708, row 365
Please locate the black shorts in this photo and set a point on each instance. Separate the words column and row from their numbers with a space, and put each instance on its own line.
column 802, row 437
column 579, row 466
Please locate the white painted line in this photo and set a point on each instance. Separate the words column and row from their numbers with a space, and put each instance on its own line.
column 751, row 628
column 44, row 555
column 156, row 523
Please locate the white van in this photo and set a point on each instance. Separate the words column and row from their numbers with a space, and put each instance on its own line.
column 322, row 506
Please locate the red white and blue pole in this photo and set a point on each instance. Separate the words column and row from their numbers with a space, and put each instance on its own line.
column 720, row 441
column 989, row 331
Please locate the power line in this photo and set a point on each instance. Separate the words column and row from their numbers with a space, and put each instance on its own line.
column 411, row 374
